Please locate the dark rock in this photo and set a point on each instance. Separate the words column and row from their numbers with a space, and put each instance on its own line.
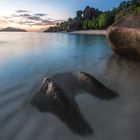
column 51, row 98
column 78, row 82
column 124, row 37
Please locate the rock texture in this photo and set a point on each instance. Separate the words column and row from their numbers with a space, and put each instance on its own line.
column 51, row 98
column 81, row 82
column 124, row 37
column 59, row 99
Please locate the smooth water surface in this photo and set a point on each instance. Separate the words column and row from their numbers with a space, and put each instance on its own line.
column 25, row 58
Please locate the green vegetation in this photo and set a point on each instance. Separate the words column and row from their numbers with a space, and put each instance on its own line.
column 91, row 18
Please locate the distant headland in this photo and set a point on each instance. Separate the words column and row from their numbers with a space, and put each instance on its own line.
column 11, row 29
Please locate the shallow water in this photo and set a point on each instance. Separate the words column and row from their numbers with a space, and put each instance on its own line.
column 25, row 58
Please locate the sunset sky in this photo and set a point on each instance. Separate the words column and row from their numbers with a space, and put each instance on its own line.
column 37, row 15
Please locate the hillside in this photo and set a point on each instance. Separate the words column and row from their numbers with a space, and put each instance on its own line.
column 94, row 19
column 10, row 29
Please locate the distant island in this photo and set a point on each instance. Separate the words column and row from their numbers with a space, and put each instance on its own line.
column 93, row 19
column 10, row 29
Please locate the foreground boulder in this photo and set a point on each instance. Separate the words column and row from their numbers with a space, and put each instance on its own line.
column 51, row 98
column 124, row 37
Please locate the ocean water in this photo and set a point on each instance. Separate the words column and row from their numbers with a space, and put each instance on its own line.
column 26, row 58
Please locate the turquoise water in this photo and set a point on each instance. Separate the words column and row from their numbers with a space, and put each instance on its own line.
column 25, row 58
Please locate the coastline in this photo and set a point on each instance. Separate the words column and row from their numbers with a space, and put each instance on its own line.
column 90, row 32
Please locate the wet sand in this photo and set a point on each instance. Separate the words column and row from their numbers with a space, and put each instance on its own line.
column 90, row 32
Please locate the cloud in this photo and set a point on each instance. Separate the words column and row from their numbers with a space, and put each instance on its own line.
column 24, row 15
column 22, row 11
column 3, row 22
column 58, row 21
column 35, row 18
column 30, row 19
column 37, row 23
column 40, row 14
column 18, row 15
column 25, row 22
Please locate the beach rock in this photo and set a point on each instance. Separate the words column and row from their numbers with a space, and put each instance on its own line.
column 138, row 1
column 80, row 82
column 51, row 98
column 49, row 93
column 124, row 37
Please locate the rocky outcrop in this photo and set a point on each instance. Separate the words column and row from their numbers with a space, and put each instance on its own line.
column 81, row 82
column 138, row 1
column 124, row 37
column 51, row 98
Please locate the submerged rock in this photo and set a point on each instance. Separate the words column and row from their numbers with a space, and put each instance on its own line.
column 78, row 82
column 124, row 37
column 51, row 98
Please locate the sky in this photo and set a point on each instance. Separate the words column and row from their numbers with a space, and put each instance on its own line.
column 37, row 15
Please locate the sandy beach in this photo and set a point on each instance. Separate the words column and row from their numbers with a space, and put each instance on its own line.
column 90, row 32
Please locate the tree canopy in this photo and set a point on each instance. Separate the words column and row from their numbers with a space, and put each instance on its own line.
column 92, row 18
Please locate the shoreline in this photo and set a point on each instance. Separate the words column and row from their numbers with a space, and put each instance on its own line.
column 89, row 32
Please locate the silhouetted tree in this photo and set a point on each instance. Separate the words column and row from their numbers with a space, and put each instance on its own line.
column 79, row 13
